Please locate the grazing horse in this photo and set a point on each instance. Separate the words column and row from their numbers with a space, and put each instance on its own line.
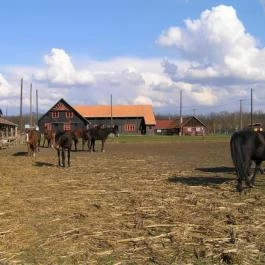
column 62, row 142
column 247, row 146
column 48, row 136
column 102, row 134
column 33, row 141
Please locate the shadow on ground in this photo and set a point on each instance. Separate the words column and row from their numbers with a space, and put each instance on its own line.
column 199, row 181
column 20, row 154
column 216, row 169
column 43, row 164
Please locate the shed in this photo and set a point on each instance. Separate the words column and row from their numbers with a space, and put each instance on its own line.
column 166, row 127
column 7, row 128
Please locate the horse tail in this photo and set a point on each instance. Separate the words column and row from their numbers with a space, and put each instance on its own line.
column 239, row 157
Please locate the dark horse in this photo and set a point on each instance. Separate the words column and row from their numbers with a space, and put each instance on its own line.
column 247, row 146
column 76, row 134
column 48, row 136
column 33, row 141
column 93, row 134
column 62, row 142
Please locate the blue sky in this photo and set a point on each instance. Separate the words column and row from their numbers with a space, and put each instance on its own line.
column 141, row 52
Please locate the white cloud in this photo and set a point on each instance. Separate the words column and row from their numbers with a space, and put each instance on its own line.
column 142, row 100
column 5, row 88
column 60, row 70
column 216, row 50
column 217, row 46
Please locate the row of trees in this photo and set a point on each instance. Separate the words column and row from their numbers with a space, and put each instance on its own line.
column 226, row 123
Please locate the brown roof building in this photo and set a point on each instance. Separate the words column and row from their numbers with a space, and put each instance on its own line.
column 189, row 126
column 7, row 128
column 130, row 119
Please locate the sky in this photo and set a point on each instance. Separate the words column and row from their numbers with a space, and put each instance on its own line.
column 136, row 52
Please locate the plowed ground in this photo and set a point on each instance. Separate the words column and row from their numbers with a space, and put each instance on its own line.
column 137, row 203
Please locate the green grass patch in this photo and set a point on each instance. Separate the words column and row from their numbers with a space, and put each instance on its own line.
column 170, row 138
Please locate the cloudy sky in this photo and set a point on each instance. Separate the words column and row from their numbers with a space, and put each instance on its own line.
column 140, row 52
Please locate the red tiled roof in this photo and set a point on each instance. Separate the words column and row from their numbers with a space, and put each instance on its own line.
column 165, row 124
column 102, row 111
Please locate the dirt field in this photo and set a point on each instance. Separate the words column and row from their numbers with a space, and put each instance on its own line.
column 137, row 203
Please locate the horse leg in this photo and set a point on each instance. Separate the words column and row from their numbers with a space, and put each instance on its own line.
column 28, row 149
column 68, row 156
column 102, row 145
column 93, row 141
column 34, row 150
column 76, row 142
column 59, row 157
column 252, row 177
column 63, row 156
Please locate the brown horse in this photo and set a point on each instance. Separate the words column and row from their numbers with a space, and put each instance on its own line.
column 48, row 137
column 33, row 141
column 77, row 134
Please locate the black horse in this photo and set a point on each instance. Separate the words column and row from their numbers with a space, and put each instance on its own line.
column 63, row 141
column 247, row 146
column 93, row 134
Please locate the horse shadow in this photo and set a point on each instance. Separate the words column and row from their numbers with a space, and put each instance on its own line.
column 216, row 169
column 205, row 180
column 199, row 181
column 43, row 164
column 20, row 154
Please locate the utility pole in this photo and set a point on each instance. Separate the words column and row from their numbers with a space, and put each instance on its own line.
column 30, row 105
column 251, row 109
column 241, row 114
column 21, row 96
column 37, row 106
column 111, row 110
column 180, row 112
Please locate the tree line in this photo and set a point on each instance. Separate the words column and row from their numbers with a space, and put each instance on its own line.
column 225, row 122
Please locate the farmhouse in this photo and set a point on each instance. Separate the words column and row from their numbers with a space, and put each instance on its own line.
column 189, row 126
column 130, row 119
column 62, row 117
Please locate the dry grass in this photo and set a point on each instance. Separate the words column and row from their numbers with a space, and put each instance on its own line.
column 143, row 203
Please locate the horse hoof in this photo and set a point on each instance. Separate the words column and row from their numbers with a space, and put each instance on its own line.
column 239, row 188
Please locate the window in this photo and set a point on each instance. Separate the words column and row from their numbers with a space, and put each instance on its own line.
column 198, row 129
column 67, row 127
column 129, row 127
column 69, row 114
column 55, row 114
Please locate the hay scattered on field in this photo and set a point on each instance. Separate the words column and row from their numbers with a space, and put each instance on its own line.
column 129, row 207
